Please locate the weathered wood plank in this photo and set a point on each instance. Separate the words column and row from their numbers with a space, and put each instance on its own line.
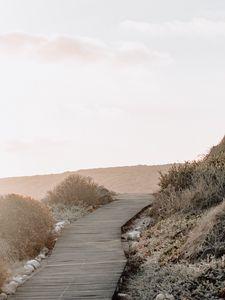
column 88, row 259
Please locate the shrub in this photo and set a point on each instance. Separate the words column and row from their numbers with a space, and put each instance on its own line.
column 26, row 227
column 76, row 190
column 193, row 186
column 179, row 176
column 208, row 188
column 217, row 154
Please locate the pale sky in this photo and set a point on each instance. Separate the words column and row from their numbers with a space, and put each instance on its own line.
column 99, row 83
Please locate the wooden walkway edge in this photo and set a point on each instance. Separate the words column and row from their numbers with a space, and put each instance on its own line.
column 88, row 258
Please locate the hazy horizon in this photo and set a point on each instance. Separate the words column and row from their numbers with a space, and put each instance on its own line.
column 86, row 169
column 91, row 84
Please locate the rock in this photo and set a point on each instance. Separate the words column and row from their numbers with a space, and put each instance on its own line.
column 137, row 228
column 60, row 225
column 3, row 296
column 40, row 257
column 25, row 277
column 165, row 296
column 122, row 296
column 18, row 279
column 34, row 263
column 44, row 251
column 160, row 297
column 133, row 235
column 28, row 269
column 10, row 288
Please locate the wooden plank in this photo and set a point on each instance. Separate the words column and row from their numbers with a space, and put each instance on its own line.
column 88, row 258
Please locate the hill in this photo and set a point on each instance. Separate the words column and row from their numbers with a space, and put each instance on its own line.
column 133, row 179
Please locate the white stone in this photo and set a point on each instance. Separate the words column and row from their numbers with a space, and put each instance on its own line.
column 44, row 251
column 28, row 269
column 60, row 225
column 18, row 279
column 34, row 263
column 137, row 228
column 10, row 288
column 122, row 296
column 160, row 297
column 41, row 256
column 24, row 277
column 38, row 259
column 133, row 235
column 3, row 296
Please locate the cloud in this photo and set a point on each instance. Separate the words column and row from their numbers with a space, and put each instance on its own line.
column 78, row 49
column 197, row 26
column 135, row 53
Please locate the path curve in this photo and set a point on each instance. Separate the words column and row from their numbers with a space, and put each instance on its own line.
column 88, row 259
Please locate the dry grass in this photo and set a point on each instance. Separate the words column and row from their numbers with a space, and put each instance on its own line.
column 26, row 227
column 208, row 237
column 192, row 187
column 62, row 212
column 178, row 177
column 76, row 190
column 183, row 252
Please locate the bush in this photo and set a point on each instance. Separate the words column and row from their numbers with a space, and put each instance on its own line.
column 26, row 227
column 76, row 190
column 216, row 156
column 179, row 176
column 193, row 186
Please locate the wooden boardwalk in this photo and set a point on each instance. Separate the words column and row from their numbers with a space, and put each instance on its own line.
column 88, row 259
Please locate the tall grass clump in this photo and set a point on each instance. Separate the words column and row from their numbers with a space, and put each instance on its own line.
column 192, row 187
column 77, row 190
column 208, row 236
column 26, row 227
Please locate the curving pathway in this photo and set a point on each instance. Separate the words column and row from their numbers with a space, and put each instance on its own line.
column 88, row 259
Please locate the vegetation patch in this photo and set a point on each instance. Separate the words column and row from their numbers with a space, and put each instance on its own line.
column 181, row 255
column 26, row 228
column 77, row 190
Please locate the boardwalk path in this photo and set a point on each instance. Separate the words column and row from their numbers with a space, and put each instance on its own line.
column 88, row 259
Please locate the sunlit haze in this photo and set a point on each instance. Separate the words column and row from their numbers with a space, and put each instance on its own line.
column 95, row 83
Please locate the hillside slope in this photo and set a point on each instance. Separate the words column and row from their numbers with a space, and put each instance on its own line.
column 134, row 179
